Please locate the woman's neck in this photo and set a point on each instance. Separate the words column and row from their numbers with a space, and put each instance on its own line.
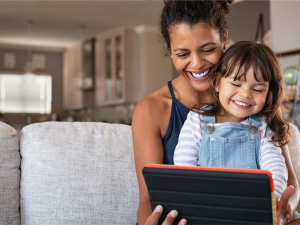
column 187, row 95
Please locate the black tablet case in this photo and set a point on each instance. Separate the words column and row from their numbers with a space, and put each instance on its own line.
column 217, row 196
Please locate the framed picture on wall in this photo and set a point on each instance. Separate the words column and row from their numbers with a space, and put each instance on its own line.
column 39, row 61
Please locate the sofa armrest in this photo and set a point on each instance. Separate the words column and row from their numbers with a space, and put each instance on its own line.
column 9, row 176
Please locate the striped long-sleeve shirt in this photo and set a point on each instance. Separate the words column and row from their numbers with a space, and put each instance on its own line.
column 271, row 159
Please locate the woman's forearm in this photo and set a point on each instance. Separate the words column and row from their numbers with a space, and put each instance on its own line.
column 144, row 211
column 292, row 179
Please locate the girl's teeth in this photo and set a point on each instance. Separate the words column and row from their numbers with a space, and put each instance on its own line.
column 201, row 74
column 240, row 103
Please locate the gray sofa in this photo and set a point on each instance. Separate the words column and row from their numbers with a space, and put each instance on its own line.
column 59, row 173
column 70, row 173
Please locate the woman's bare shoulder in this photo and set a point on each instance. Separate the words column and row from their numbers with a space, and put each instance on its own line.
column 156, row 103
column 154, row 112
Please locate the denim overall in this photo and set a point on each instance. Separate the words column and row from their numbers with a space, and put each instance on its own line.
column 230, row 145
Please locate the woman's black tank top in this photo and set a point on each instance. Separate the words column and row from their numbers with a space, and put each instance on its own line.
column 178, row 116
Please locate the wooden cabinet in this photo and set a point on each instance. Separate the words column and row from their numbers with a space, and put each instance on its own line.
column 116, row 67
column 73, row 96
column 129, row 65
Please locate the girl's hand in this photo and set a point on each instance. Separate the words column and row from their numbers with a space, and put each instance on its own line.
column 283, row 208
column 154, row 218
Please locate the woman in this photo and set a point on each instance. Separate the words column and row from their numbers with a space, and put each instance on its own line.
column 196, row 35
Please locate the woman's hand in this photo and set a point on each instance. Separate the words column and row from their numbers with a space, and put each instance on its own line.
column 156, row 214
column 283, row 208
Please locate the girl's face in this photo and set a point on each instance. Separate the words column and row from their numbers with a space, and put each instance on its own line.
column 196, row 51
column 242, row 98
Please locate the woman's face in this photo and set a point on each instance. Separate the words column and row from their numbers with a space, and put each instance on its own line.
column 196, row 52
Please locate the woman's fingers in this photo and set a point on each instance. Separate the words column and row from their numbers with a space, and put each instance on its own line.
column 288, row 215
column 156, row 214
column 169, row 220
column 286, row 194
column 154, row 218
column 170, row 217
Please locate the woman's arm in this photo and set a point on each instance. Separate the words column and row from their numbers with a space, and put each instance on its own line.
column 292, row 179
column 147, row 120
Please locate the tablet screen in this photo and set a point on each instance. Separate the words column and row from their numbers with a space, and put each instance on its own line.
column 212, row 195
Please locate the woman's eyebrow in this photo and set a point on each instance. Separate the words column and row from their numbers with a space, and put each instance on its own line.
column 202, row 46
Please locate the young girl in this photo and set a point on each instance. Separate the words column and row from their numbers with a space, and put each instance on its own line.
column 244, row 126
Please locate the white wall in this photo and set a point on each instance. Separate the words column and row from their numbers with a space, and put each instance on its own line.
column 285, row 19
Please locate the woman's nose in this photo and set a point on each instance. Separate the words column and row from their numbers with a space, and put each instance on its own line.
column 197, row 62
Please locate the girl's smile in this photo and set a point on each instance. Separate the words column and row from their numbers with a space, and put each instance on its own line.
column 242, row 97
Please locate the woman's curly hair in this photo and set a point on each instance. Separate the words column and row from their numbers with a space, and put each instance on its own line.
column 212, row 12
column 240, row 57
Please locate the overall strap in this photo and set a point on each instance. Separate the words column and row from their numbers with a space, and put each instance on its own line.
column 208, row 119
column 254, row 120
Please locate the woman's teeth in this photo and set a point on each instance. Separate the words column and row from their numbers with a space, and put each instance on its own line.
column 241, row 103
column 201, row 74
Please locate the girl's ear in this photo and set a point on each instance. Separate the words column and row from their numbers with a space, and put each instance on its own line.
column 217, row 83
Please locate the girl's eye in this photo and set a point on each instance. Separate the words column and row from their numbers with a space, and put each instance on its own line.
column 236, row 85
column 257, row 90
column 182, row 55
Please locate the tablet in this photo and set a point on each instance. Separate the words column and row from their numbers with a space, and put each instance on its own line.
column 212, row 195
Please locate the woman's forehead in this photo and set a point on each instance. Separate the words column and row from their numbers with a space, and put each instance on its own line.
column 183, row 33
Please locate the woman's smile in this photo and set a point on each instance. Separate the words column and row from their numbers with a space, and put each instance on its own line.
column 196, row 51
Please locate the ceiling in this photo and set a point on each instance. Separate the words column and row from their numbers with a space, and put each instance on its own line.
column 57, row 23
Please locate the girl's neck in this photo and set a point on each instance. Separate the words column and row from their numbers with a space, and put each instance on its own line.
column 226, row 117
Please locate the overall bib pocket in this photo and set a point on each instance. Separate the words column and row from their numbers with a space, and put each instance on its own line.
column 233, row 152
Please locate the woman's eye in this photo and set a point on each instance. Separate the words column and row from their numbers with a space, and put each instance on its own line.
column 209, row 50
column 182, row 55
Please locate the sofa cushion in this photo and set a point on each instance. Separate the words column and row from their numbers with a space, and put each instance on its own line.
column 77, row 173
column 9, row 176
column 294, row 149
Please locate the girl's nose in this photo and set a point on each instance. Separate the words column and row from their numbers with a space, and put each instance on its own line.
column 246, row 93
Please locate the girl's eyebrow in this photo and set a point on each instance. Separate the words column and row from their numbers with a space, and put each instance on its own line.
column 202, row 46
column 263, row 84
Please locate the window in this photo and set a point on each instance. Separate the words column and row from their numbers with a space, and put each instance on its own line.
column 25, row 93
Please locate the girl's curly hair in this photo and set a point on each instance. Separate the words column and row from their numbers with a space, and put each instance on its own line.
column 241, row 57
column 212, row 12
